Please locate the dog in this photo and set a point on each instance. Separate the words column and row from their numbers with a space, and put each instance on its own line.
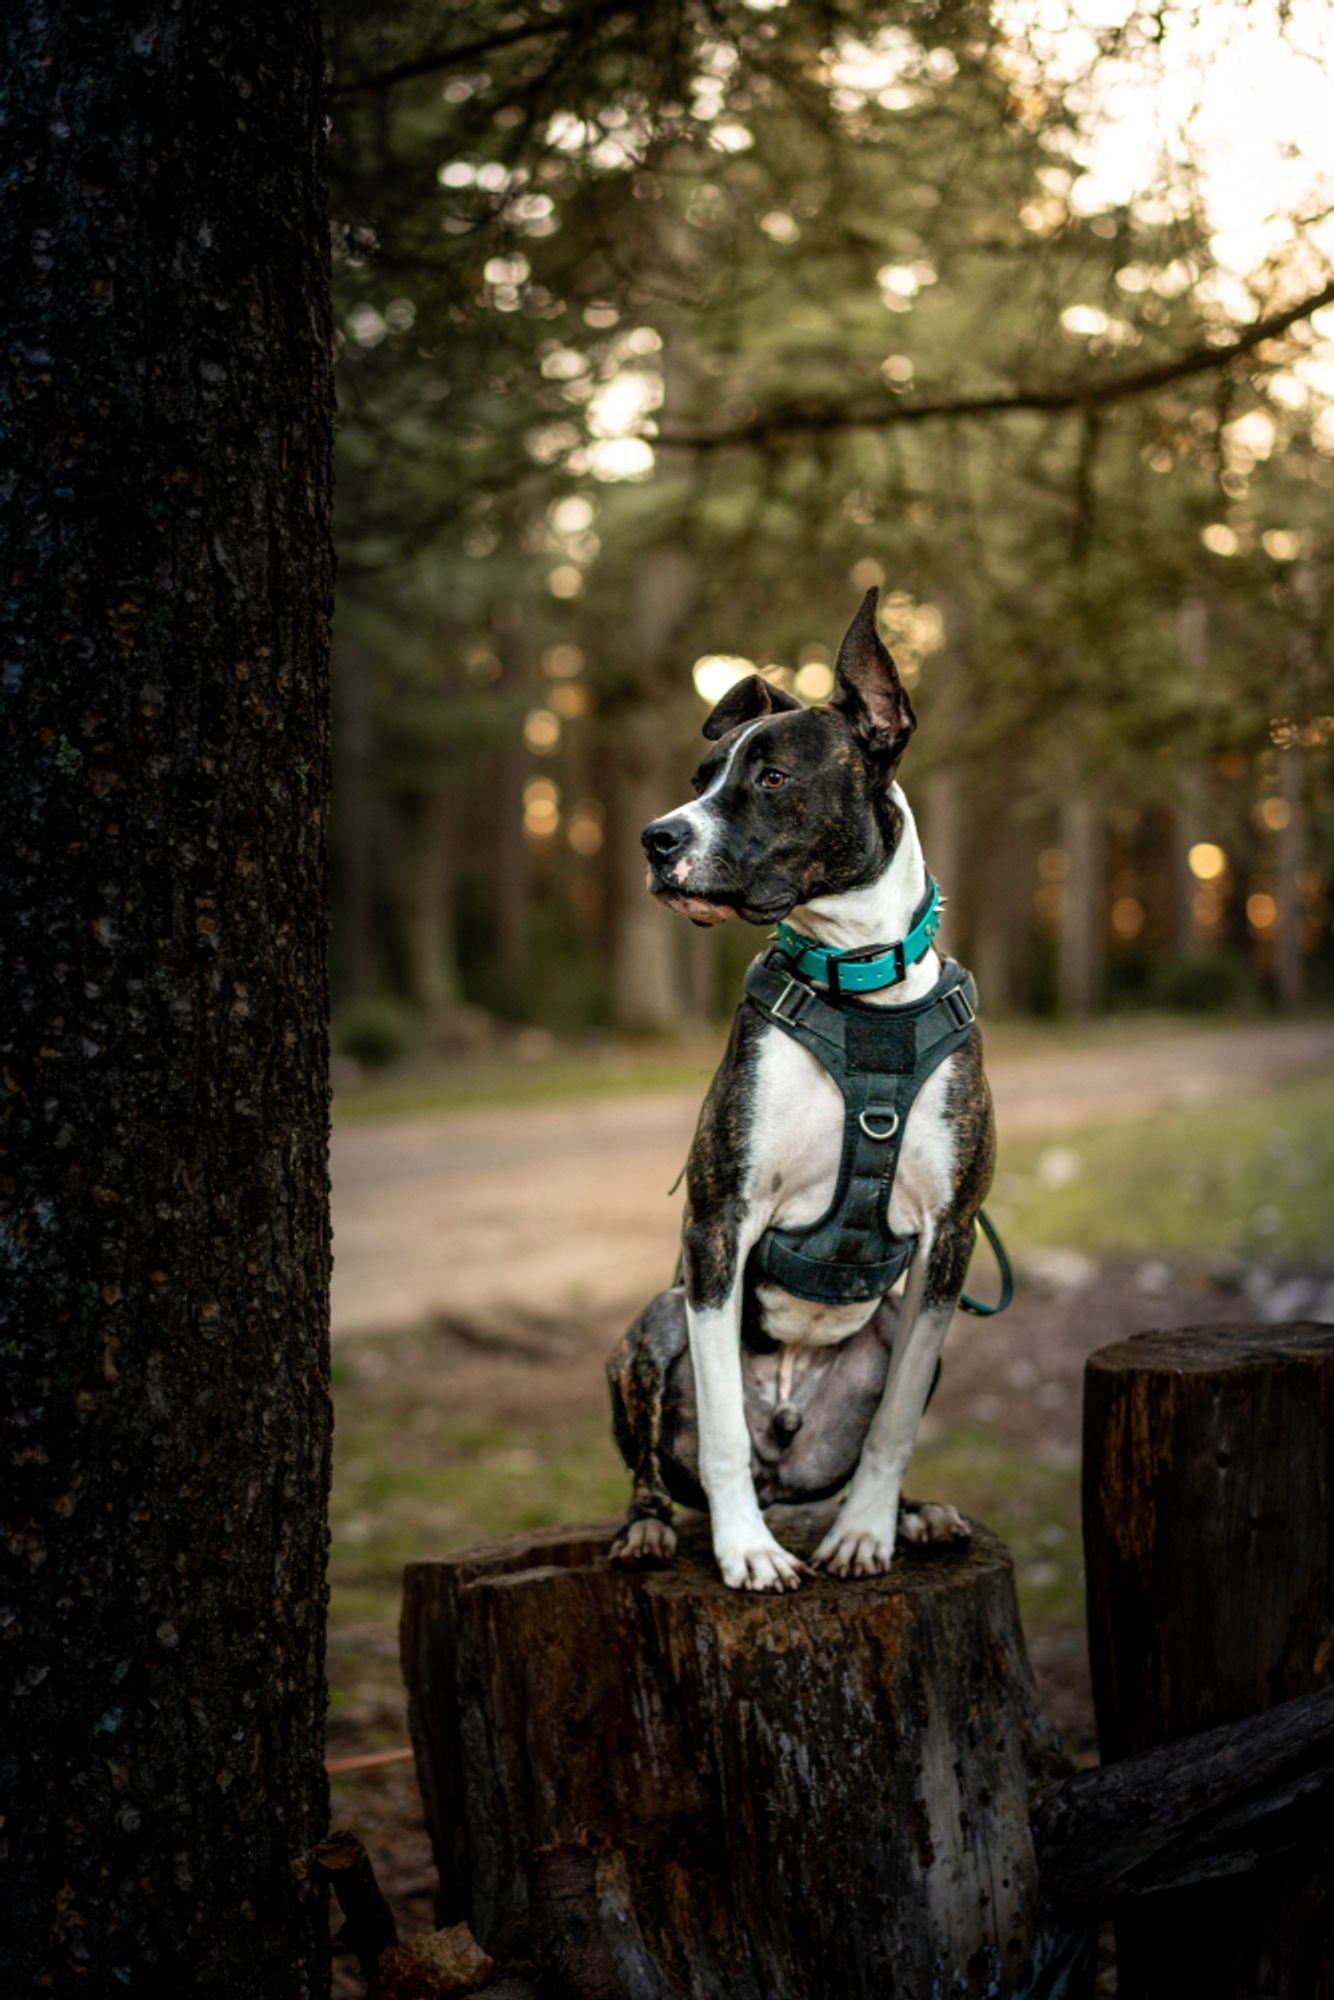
column 846, row 1143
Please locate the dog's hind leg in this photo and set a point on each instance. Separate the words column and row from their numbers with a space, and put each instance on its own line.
column 637, row 1376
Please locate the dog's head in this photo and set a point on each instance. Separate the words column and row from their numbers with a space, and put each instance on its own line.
column 792, row 802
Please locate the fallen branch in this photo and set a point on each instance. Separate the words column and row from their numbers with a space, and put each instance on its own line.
column 1208, row 1806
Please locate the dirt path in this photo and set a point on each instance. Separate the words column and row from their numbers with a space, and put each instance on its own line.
column 565, row 1208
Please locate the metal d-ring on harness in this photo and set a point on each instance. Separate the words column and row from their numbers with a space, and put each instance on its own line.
column 880, row 1057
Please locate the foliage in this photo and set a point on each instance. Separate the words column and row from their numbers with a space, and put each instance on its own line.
column 373, row 1032
column 665, row 329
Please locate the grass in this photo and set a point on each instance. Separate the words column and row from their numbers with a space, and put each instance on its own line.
column 1247, row 1175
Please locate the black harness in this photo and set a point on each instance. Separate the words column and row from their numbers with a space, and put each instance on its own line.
column 879, row 1057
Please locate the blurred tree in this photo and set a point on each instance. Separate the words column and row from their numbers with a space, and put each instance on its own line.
column 784, row 299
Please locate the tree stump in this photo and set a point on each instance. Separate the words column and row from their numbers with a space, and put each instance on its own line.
column 778, row 1796
column 1209, row 1536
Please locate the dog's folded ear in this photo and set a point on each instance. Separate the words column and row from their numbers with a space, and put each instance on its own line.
column 868, row 691
column 743, row 703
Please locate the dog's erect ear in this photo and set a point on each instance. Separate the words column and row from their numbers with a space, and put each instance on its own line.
column 869, row 692
column 742, row 703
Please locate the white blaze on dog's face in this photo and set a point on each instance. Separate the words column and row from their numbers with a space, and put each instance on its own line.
column 793, row 802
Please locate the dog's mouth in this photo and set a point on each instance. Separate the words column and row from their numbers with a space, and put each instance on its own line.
column 699, row 909
column 715, row 907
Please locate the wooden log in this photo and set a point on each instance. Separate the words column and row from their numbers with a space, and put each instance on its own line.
column 1188, row 1812
column 369, row 1926
column 1209, row 1538
column 764, row 1798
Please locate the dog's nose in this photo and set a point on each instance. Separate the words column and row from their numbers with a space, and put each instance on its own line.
column 664, row 838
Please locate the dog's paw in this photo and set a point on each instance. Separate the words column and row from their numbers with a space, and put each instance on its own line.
column 854, row 1552
column 643, row 1544
column 934, row 1522
column 760, row 1565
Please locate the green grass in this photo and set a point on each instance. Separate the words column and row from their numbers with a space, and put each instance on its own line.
column 1250, row 1174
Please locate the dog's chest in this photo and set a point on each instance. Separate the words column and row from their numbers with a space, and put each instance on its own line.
column 795, row 1145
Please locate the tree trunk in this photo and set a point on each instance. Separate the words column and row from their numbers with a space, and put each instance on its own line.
column 165, row 594
column 355, row 826
column 941, row 830
column 1084, row 917
column 648, row 778
column 646, row 959
column 428, row 929
column 1288, row 937
column 1209, row 1531
column 511, row 867
column 824, row 1793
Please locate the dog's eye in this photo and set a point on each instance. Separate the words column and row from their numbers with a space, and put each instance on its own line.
column 772, row 781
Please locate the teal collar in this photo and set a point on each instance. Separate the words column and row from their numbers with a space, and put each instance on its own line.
column 865, row 971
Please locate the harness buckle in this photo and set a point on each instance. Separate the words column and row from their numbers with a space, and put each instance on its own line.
column 794, row 985
column 961, row 1007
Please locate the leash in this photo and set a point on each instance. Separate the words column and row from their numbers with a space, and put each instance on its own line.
column 975, row 1306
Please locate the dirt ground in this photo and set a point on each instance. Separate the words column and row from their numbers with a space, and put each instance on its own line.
column 526, row 1240
column 566, row 1207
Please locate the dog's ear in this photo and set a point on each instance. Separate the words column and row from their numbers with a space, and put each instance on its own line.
column 868, row 691
column 742, row 703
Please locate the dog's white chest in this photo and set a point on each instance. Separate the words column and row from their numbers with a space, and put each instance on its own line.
column 796, row 1143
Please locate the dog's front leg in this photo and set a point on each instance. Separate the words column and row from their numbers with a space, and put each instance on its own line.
column 747, row 1554
column 861, row 1541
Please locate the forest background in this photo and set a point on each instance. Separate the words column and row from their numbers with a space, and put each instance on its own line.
column 665, row 329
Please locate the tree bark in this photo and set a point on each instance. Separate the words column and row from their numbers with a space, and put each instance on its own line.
column 826, row 1793
column 1209, row 1533
column 164, row 596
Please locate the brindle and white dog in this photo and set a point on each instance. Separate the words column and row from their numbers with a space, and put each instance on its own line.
column 728, row 1389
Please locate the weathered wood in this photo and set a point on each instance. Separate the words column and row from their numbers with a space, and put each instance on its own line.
column 369, row 1926
column 1209, row 1536
column 1189, row 1812
column 821, row 1793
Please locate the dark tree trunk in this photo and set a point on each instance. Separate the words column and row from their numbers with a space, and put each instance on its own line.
column 164, row 598
column 821, row 1794
column 1209, row 1532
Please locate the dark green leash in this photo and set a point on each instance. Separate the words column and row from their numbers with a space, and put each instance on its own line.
column 975, row 1306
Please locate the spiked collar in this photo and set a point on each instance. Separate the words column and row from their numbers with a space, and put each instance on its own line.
column 866, row 971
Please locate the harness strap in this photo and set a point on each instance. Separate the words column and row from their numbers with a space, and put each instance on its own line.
column 879, row 1058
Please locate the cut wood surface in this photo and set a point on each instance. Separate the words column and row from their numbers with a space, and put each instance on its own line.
column 824, row 1793
column 1209, row 1537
